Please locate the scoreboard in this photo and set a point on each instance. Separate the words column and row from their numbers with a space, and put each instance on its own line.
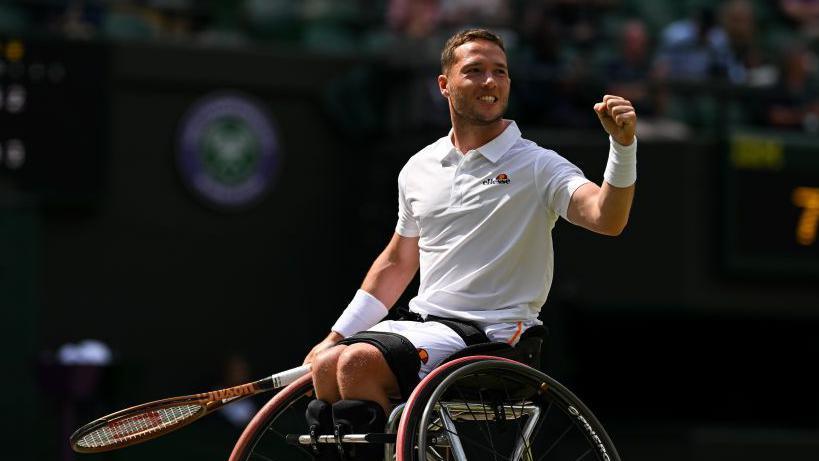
column 771, row 204
column 53, row 118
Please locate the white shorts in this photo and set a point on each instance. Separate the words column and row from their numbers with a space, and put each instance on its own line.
column 436, row 341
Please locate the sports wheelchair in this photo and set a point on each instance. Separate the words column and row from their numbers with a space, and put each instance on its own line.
column 486, row 402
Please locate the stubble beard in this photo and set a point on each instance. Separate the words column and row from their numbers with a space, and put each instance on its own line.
column 466, row 113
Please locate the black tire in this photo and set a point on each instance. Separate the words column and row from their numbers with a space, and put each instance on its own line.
column 493, row 402
column 264, row 437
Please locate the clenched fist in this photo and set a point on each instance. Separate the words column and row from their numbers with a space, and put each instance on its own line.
column 618, row 118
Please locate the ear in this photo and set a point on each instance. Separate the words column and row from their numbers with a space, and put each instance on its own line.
column 442, row 82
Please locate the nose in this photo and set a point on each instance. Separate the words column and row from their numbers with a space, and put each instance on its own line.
column 489, row 79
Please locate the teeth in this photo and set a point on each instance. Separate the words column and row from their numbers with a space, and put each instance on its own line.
column 488, row 98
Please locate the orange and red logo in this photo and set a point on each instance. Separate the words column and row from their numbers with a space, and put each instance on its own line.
column 423, row 355
column 502, row 178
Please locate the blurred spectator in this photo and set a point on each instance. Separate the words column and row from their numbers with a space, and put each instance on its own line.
column 414, row 19
column 413, row 100
column 744, row 59
column 690, row 49
column 494, row 14
column 805, row 14
column 548, row 72
column 79, row 20
column 627, row 73
column 702, row 48
column 581, row 19
column 795, row 104
column 737, row 21
column 414, row 31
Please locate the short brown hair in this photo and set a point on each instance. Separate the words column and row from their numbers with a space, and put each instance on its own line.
column 466, row 36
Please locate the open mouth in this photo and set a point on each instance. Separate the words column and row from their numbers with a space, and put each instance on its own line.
column 488, row 99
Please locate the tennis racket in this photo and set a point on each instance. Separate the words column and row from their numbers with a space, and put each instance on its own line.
column 151, row 420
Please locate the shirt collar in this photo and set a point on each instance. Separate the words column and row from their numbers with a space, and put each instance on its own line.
column 494, row 149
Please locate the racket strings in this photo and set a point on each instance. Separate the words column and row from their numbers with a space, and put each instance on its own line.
column 137, row 426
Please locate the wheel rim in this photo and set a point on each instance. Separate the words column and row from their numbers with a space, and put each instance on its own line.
column 500, row 411
column 268, row 443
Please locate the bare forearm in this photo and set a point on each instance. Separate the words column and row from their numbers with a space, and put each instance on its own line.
column 602, row 209
column 388, row 277
column 392, row 270
column 614, row 204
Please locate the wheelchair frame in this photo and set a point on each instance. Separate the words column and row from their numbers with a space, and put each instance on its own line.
column 446, row 412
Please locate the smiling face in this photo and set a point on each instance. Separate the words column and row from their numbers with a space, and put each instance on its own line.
column 477, row 83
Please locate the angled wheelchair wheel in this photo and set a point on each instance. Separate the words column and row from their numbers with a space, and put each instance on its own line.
column 264, row 437
column 489, row 408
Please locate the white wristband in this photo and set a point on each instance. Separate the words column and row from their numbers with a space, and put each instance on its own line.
column 364, row 311
column 621, row 169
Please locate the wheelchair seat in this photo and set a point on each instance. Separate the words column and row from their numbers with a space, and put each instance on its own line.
column 526, row 351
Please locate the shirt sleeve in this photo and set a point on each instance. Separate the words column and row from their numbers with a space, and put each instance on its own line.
column 407, row 225
column 557, row 179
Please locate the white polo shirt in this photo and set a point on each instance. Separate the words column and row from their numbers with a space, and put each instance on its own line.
column 484, row 219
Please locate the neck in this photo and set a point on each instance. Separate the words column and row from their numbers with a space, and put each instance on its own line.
column 467, row 136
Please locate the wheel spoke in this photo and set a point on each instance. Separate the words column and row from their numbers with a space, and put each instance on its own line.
column 584, row 455
column 556, row 442
column 524, row 439
column 485, row 428
column 486, row 421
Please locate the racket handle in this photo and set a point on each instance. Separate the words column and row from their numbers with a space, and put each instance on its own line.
column 286, row 377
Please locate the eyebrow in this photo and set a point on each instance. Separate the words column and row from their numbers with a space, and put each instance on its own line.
column 479, row 62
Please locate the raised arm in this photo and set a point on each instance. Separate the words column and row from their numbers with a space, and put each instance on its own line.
column 387, row 278
column 605, row 209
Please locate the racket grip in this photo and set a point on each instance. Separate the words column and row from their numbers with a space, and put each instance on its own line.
column 286, row 377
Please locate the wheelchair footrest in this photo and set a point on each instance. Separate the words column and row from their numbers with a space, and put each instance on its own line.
column 375, row 437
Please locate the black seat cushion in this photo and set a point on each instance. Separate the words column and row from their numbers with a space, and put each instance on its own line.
column 527, row 350
column 488, row 387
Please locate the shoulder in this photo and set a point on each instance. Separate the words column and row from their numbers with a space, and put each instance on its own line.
column 431, row 152
column 530, row 152
column 545, row 163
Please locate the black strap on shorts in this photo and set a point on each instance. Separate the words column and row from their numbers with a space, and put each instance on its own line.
column 468, row 331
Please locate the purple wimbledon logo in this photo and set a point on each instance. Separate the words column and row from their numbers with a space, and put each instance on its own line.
column 227, row 150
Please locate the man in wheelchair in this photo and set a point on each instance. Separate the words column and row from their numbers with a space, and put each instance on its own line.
column 475, row 214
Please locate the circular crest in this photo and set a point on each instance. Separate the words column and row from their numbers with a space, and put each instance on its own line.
column 227, row 150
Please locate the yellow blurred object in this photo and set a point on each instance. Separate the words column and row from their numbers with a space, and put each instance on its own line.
column 15, row 50
column 807, row 198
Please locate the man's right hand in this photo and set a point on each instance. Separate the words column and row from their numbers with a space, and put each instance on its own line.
column 331, row 340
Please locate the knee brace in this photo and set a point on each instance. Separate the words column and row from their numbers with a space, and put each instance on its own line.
column 359, row 417
column 319, row 416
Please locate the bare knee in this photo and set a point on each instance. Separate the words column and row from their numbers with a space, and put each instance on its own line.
column 324, row 373
column 363, row 362
column 326, row 361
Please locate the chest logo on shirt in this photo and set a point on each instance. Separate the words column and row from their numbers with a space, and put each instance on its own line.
column 502, row 178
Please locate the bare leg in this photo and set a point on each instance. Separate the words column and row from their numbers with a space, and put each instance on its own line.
column 325, row 375
column 363, row 374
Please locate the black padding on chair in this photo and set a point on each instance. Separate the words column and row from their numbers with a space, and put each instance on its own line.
column 527, row 350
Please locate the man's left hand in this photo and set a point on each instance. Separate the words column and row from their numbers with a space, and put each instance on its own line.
column 618, row 118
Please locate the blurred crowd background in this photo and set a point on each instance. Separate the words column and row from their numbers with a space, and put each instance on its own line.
column 562, row 51
column 692, row 335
